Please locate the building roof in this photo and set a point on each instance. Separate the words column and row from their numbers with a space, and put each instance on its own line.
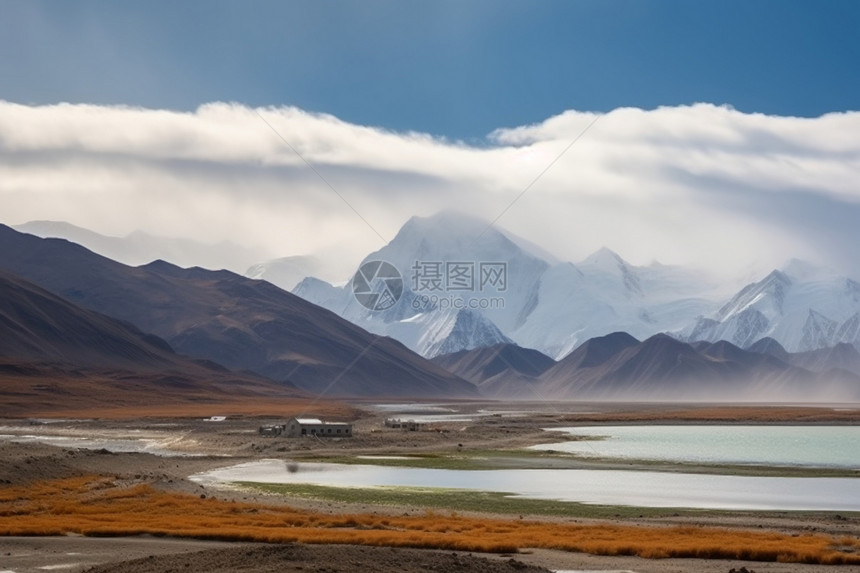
column 309, row 421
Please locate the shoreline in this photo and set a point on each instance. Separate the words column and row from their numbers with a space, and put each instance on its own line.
column 234, row 441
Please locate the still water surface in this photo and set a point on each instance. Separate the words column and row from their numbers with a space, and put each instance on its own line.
column 605, row 487
column 810, row 446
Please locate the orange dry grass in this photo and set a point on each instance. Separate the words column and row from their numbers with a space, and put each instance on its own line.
column 95, row 506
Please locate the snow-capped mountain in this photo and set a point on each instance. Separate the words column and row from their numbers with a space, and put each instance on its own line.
column 514, row 292
column 800, row 306
column 440, row 260
column 447, row 331
column 604, row 294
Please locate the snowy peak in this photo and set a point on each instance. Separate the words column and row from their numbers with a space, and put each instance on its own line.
column 448, row 230
column 555, row 307
column 448, row 236
column 805, row 271
column 463, row 330
column 464, row 259
column 465, row 230
column 607, row 262
column 438, row 332
column 766, row 296
column 802, row 307
column 801, row 270
column 605, row 259
column 464, row 284
column 448, row 222
column 818, row 331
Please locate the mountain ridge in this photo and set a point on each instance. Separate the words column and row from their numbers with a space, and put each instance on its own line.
column 544, row 304
column 619, row 367
column 221, row 316
column 57, row 355
column 138, row 248
column 555, row 306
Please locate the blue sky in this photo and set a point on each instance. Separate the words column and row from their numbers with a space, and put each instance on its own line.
column 456, row 69
column 408, row 108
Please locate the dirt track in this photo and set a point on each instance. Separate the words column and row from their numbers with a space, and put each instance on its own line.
column 157, row 555
column 152, row 555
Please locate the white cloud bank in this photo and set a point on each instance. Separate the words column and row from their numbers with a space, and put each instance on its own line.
column 701, row 184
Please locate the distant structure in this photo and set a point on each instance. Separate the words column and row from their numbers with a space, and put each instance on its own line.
column 298, row 427
column 271, row 431
column 407, row 425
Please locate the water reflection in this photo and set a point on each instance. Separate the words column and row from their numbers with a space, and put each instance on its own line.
column 604, row 487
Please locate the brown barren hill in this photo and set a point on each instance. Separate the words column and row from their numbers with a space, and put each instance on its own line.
column 618, row 367
column 55, row 355
column 501, row 371
column 244, row 324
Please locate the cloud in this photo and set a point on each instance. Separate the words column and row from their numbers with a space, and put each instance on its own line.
column 701, row 183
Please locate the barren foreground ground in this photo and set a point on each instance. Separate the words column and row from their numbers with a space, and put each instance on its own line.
column 209, row 445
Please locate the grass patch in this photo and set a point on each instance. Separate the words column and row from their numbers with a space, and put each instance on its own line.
column 471, row 460
column 554, row 459
column 96, row 506
column 450, row 499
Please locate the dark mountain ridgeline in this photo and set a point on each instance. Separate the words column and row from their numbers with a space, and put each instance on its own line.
column 250, row 325
column 504, row 370
column 241, row 323
column 57, row 355
column 618, row 367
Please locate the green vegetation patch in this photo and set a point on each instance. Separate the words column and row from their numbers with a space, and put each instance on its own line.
column 462, row 460
column 553, row 459
column 461, row 500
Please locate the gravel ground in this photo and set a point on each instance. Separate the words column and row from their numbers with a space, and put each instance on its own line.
column 208, row 445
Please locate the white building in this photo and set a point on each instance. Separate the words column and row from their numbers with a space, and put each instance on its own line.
column 296, row 427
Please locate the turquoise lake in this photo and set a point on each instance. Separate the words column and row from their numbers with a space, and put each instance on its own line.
column 805, row 446
column 808, row 446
